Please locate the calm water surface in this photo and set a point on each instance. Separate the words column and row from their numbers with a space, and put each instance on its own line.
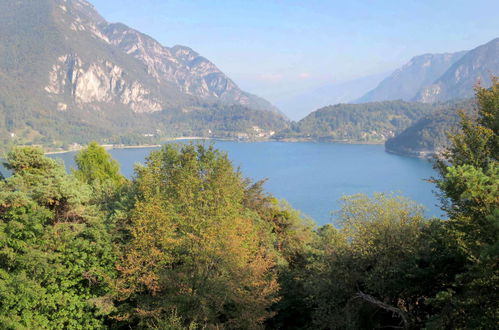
column 312, row 177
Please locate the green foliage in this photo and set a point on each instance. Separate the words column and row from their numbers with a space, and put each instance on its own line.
column 96, row 167
column 169, row 322
column 44, row 180
column 429, row 134
column 358, row 278
column 368, row 122
column 389, row 267
column 468, row 172
column 469, row 184
column 188, row 243
column 55, row 251
column 194, row 248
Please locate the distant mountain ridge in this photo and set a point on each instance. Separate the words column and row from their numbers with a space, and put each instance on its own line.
column 66, row 74
column 477, row 65
column 433, row 78
column 407, row 81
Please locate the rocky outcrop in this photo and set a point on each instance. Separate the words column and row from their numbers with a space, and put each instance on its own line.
column 182, row 67
column 171, row 71
column 93, row 83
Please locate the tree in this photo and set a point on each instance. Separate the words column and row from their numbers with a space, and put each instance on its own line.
column 469, row 185
column 96, row 167
column 193, row 245
column 359, row 273
column 55, row 251
column 293, row 238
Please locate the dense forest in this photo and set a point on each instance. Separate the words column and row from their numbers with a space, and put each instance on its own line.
column 373, row 122
column 55, row 129
column 428, row 135
column 189, row 243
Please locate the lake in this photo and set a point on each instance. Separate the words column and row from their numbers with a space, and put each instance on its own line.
column 312, row 177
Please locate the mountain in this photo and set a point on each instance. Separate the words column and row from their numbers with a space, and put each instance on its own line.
column 372, row 122
column 67, row 75
column 407, row 81
column 428, row 135
column 457, row 82
column 298, row 106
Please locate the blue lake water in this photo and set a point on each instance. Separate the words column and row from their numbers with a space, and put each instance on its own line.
column 312, row 177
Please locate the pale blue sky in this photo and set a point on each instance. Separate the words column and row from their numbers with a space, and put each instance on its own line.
column 277, row 47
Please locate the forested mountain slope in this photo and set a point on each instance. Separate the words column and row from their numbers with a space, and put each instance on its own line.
column 429, row 135
column 67, row 75
column 372, row 122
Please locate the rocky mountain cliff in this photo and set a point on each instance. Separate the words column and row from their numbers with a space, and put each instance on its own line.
column 182, row 67
column 61, row 62
column 102, row 79
column 405, row 82
column 478, row 65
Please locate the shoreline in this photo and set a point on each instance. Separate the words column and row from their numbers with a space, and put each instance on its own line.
column 129, row 146
column 325, row 140
column 187, row 138
column 107, row 147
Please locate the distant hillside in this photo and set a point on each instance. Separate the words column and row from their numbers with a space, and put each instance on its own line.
column 405, row 83
column 457, row 82
column 428, row 135
column 373, row 122
column 298, row 106
column 67, row 76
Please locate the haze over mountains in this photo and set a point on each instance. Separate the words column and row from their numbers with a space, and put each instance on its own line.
column 425, row 78
column 299, row 105
column 439, row 77
column 412, row 109
column 479, row 64
column 405, row 82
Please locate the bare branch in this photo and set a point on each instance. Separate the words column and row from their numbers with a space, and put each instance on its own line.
column 370, row 299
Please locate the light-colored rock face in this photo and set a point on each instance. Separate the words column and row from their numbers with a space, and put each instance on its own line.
column 138, row 98
column 177, row 71
column 62, row 106
column 193, row 74
column 429, row 94
column 97, row 83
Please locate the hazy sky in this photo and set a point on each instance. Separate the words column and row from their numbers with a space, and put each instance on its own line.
column 277, row 47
